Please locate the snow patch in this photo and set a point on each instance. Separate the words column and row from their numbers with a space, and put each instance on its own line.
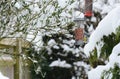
column 66, row 48
column 2, row 76
column 59, row 63
column 51, row 42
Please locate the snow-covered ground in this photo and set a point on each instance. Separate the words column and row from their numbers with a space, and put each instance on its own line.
column 2, row 76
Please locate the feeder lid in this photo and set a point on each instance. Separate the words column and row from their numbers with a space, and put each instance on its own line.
column 79, row 16
column 78, row 19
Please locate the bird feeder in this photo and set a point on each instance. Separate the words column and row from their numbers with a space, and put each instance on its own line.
column 79, row 31
column 88, row 8
column 79, row 36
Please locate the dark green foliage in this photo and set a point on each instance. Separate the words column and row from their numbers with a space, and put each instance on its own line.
column 110, row 42
column 39, row 64
column 94, row 60
column 118, row 34
column 59, row 73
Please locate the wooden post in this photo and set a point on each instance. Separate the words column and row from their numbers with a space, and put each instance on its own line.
column 17, row 51
column 17, row 44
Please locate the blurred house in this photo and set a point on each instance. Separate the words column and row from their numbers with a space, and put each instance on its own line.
column 12, row 58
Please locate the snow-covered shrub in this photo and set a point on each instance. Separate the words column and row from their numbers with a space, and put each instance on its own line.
column 64, row 58
column 104, row 46
column 58, row 58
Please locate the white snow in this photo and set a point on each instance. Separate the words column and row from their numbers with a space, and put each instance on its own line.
column 56, row 47
column 93, row 19
column 17, row 5
column 59, row 63
column 96, row 73
column 79, row 14
column 73, row 77
column 105, row 27
column 66, row 48
column 2, row 76
column 51, row 42
column 105, row 6
column 62, row 3
column 70, row 42
column 115, row 57
column 83, row 64
column 91, row 29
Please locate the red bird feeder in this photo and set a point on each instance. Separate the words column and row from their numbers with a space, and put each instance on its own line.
column 79, row 37
column 88, row 8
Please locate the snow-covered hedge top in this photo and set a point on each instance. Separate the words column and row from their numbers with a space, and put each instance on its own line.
column 113, row 59
column 105, row 27
column 59, row 63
